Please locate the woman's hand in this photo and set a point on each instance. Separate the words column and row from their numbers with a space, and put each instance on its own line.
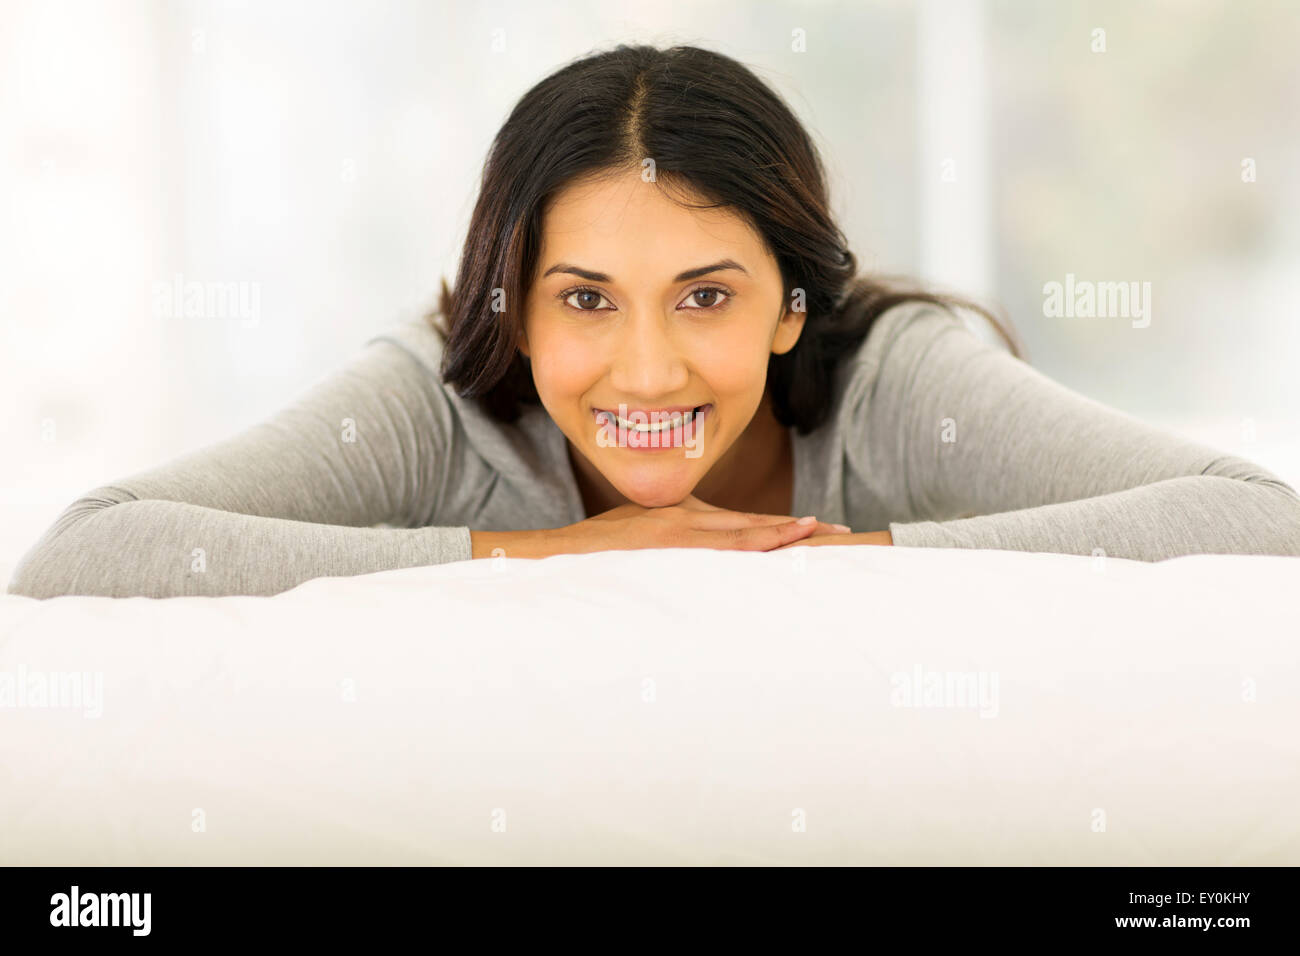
column 864, row 537
column 691, row 524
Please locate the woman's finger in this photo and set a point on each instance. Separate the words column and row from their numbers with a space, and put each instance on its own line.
column 763, row 537
column 695, row 504
column 723, row 520
column 822, row 540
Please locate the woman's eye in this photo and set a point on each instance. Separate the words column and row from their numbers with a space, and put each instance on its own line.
column 709, row 298
column 588, row 300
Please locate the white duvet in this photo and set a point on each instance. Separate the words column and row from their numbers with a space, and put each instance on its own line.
column 817, row 705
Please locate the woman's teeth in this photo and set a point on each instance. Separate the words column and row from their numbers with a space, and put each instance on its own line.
column 678, row 419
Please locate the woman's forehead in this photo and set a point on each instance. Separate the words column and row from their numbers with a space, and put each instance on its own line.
column 630, row 222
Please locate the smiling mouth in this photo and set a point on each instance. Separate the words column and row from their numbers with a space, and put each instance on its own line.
column 661, row 423
column 680, row 430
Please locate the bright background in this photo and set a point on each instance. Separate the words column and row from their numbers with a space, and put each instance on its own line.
column 328, row 152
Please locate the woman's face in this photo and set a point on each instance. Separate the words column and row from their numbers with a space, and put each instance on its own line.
column 643, row 308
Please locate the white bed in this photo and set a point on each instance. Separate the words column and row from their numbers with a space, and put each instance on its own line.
column 671, row 707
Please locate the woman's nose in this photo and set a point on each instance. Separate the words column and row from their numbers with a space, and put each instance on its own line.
column 649, row 360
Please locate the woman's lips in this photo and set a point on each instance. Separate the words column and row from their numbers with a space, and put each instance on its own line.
column 676, row 436
column 651, row 414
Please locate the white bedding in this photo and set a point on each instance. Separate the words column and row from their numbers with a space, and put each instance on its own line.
column 680, row 706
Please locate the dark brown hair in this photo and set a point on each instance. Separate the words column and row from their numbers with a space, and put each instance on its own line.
column 710, row 125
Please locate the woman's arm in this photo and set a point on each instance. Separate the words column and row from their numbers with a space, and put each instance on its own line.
column 287, row 500
column 972, row 431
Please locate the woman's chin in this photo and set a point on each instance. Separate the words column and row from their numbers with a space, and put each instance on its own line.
column 654, row 491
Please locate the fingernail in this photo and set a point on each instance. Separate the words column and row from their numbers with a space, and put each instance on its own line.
column 808, row 519
column 842, row 528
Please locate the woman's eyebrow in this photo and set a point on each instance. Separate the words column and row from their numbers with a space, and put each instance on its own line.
column 680, row 277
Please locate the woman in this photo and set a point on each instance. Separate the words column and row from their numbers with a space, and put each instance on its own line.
column 657, row 338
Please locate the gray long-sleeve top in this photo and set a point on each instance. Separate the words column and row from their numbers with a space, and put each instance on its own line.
column 935, row 434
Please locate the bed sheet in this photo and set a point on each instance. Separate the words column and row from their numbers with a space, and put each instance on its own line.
column 823, row 705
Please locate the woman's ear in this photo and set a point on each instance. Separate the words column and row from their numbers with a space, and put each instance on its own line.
column 521, row 342
column 788, row 329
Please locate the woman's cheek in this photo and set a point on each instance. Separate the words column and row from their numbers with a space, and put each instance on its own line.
column 737, row 369
column 563, row 371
